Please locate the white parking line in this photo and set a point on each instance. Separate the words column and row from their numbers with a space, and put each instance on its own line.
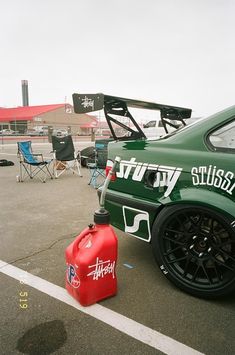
column 126, row 325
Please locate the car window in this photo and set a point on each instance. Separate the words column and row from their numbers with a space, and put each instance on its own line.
column 224, row 137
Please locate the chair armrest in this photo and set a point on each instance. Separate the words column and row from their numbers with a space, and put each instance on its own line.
column 38, row 155
column 53, row 154
column 78, row 155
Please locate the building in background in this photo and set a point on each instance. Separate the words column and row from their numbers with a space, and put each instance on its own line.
column 58, row 116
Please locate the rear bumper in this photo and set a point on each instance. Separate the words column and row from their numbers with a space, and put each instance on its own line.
column 132, row 215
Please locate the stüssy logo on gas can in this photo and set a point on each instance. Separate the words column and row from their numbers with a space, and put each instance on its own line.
column 72, row 276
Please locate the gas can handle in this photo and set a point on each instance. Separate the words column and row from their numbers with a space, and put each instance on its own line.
column 79, row 238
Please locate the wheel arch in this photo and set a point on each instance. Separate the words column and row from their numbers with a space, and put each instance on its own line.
column 201, row 197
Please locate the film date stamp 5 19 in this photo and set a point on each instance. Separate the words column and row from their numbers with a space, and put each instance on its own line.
column 23, row 295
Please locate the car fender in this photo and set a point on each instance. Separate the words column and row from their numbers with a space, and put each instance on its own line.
column 204, row 197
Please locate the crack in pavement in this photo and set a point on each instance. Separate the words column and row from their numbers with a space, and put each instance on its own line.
column 42, row 250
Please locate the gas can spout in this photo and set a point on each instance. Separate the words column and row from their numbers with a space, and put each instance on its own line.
column 107, row 181
column 101, row 216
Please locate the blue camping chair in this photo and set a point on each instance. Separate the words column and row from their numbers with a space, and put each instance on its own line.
column 97, row 165
column 32, row 165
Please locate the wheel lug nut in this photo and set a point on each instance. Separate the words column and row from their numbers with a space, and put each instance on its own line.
column 201, row 254
column 209, row 249
column 194, row 237
column 191, row 246
column 205, row 239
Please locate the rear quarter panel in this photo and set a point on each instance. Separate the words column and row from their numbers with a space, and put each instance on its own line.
column 186, row 171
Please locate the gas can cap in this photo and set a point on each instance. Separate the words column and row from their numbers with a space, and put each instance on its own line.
column 101, row 216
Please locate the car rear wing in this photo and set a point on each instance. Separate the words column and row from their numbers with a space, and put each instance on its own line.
column 118, row 106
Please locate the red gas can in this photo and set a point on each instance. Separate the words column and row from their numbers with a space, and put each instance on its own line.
column 91, row 264
column 92, row 257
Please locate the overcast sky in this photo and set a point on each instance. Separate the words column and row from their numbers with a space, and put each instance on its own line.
column 177, row 52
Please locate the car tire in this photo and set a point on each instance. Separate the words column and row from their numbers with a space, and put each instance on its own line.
column 194, row 247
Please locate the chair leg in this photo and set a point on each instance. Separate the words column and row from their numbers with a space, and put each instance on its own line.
column 60, row 172
column 41, row 172
column 72, row 165
column 92, row 180
column 25, row 171
column 96, row 172
column 21, row 175
column 55, row 171
column 48, row 171
column 30, row 172
column 78, row 167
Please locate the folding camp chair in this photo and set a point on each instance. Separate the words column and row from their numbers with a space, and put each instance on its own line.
column 64, row 156
column 32, row 165
column 97, row 165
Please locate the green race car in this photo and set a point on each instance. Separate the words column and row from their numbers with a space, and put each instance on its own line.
column 176, row 192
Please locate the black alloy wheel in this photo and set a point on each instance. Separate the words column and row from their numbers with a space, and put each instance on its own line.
column 195, row 249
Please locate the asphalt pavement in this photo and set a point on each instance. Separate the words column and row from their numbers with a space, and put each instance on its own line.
column 38, row 221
